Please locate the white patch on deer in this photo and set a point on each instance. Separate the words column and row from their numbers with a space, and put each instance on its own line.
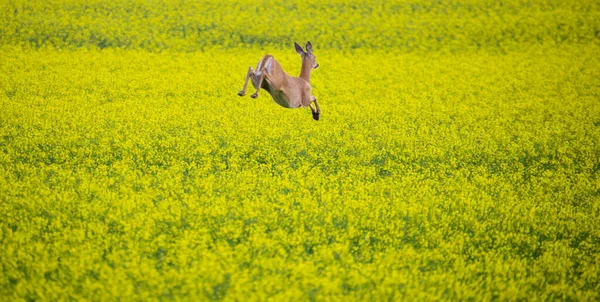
column 268, row 64
column 260, row 68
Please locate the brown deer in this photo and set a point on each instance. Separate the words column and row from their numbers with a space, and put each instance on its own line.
column 287, row 91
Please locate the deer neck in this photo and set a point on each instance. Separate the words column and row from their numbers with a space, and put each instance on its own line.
column 305, row 71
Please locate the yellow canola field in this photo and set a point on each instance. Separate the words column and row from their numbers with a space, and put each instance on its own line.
column 440, row 171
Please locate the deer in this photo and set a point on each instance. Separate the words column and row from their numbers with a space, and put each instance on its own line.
column 286, row 90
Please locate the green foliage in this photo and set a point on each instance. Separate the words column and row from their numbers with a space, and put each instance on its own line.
column 398, row 25
column 463, row 168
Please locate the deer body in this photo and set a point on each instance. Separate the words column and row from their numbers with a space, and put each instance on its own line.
column 286, row 90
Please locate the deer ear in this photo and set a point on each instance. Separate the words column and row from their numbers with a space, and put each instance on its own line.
column 298, row 48
column 308, row 47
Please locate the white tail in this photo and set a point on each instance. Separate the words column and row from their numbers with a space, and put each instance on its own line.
column 287, row 91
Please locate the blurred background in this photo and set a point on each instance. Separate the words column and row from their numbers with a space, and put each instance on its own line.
column 399, row 25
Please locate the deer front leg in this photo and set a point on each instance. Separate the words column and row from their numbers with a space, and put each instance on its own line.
column 316, row 112
column 259, row 83
column 248, row 74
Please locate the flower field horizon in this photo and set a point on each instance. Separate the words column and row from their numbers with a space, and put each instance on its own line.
column 457, row 156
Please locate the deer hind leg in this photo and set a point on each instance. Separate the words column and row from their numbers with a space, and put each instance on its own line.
column 258, row 79
column 316, row 112
column 249, row 74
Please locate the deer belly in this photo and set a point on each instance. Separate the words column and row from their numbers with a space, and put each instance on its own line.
column 281, row 99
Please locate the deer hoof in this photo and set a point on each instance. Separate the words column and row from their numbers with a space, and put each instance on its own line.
column 241, row 93
column 254, row 95
column 316, row 115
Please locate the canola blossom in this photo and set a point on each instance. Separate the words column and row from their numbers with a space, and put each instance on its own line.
column 457, row 156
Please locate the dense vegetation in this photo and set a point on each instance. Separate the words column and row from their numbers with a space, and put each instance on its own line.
column 457, row 156
column 190, row 25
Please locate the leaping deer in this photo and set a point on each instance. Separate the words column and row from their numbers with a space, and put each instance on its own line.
column 287, row 91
